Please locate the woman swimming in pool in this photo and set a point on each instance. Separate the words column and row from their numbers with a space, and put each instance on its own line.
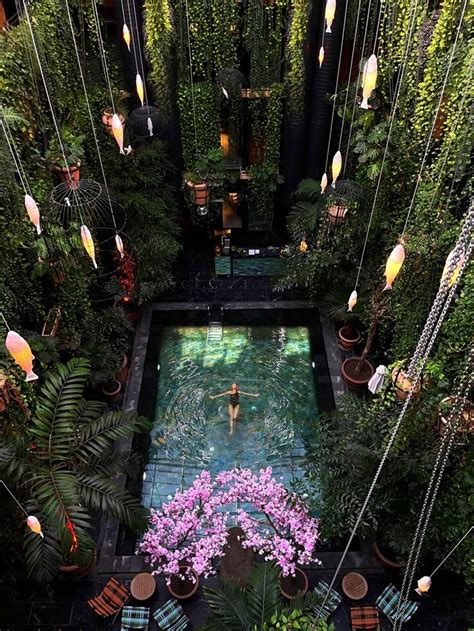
column 234, row 403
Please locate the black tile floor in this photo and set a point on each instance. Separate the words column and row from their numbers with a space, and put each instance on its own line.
column 25, row 607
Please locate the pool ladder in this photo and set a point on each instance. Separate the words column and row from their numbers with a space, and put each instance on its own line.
column 215, row 329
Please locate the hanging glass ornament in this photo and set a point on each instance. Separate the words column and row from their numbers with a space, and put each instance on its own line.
column 454, row 270
column 336, row 167
column 33, row 212
column 351, row 303
column 88, row 243
column 119, row 244
column 369, row 80
column 34, row 525
column 324, row 182
column 140, row 90
column 127, row 38
column 394, row 263
column 321, row 56
column 20, row 350
column 117, row 130
column 329, row 14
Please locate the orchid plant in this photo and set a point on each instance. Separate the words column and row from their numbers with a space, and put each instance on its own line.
column 191, row 529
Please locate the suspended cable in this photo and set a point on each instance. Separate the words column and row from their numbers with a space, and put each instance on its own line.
column 387, row 142
column 140, row 55
column 191, row 78
column 91, row 118
column 359, row 74
column 447, row 440
column 435, row 117
column 102, row 53
column 376, row 38
column 14, row 154
column 438, row 312
column 349, row 79
column 336, row 86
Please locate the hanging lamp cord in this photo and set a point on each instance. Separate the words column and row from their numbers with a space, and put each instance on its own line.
column 103, row 57
column 140, row 54
column 14, row 154
column 191, row 79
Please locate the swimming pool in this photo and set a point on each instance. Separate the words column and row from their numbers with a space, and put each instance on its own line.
column 191, row 432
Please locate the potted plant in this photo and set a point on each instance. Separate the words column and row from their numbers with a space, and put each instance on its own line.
column 111, row 390
column 192, row 528
column 336, row 214
column 208, row 172
column 401, row 383
column 73, row 146
column 184, row 583
column 294, row 585
column 357, row 371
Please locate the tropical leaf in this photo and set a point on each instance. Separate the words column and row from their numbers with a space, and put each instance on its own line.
column 309, row 189
column 100, row 435
column 229, row 608
column 263, row 593
column 42, row 555
column 53, row 425
column 102, row 494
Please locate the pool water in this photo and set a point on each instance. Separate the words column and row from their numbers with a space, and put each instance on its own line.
column 192, row 432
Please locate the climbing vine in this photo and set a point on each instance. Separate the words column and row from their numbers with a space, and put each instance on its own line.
column 295, row 77
column 159, row 37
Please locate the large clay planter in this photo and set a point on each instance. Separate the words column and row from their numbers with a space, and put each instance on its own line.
column 77, row 571
column 63, row 174
column 348, row 337
column 111, row 390
column 182, row 589
column 122, row 373
column 356, row 380
column 464, row 424
column 292, row 586
column 201, row 193
column 107, row 116
column 336, row 214
column 402, row 385
column 385, row 561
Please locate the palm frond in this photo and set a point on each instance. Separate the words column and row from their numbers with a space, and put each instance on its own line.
column 102, row 494
column 309, row 189
column 97, row 437
column 228, row 606
column 42, row 555
column 263, row 592
column 114, row 462
column 90, row 410
column 306, row 603
column 53, row 425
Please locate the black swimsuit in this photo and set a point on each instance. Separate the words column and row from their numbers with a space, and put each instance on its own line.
column 234, row 399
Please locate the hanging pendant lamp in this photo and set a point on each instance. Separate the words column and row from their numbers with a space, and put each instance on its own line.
column 336, row 167
column 34, row 525
column 329, row 14
column 117, row 130
column 369, row 80
column 127, row 38
column 20, row 350
column 321, row 56
column 351, row 303
column 33, row 212
column 140, row 90
column 449, row 265
column 324, row 182
column 393, row 265
column 119, row 244
column 88, row 243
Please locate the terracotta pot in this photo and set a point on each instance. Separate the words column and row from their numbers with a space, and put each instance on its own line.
column 111, row 390
column 348, row 337
column 107, row 116
column 122, row 374
column 402, row 385
column 292, row 586
column 77, row 571
column 201, row 193
column 63, row 174
column 395, row 565
column 336, row 214
column 182, row 589
column 356, row 380
column 464, row 424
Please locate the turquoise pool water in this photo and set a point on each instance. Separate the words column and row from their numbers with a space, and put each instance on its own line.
column 191, row 432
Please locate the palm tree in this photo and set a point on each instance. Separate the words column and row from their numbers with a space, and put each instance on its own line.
column 237, row 608
column 65, row 466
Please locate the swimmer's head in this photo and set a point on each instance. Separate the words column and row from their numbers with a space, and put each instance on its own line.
column 234, row 387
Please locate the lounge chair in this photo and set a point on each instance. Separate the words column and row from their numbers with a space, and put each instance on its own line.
column 171, row 616
column 110, row 600
column 134, row 618
column 387, row 602
column 332, row 601
column 365, row 618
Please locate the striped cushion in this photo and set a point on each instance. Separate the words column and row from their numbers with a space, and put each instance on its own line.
column 135, row 618
column 332, row 601
column 364, row 618
column 171, row 617
column 110, row 600
column 387, row 602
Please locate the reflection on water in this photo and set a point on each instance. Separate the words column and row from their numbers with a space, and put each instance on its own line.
column 193, row 431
